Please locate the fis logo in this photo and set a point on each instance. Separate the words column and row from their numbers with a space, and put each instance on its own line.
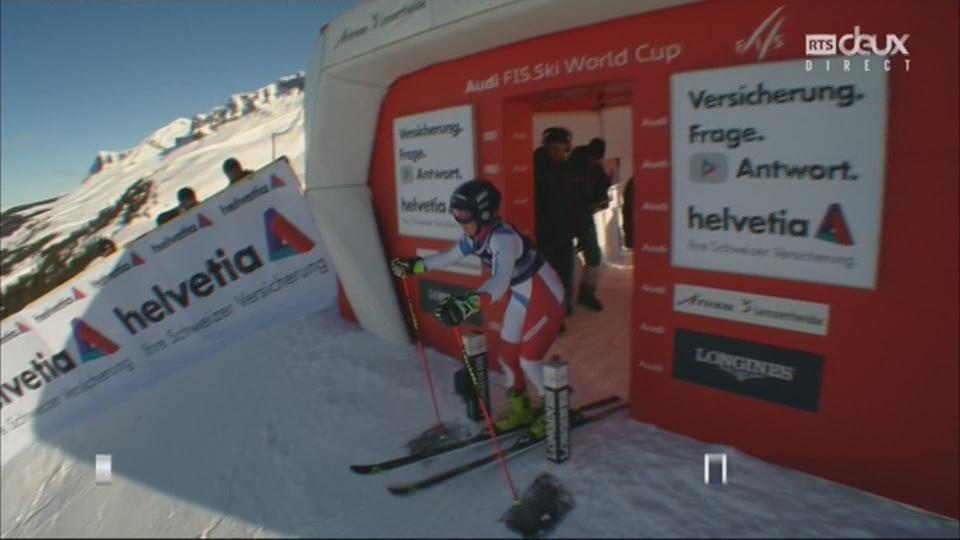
column 92, row 344
column 708, row 168
column 283, row 238
column 834, row 228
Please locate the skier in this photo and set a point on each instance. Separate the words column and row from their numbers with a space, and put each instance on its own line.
column 535, row 309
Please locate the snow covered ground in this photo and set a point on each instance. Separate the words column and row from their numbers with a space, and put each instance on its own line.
column 256, row 440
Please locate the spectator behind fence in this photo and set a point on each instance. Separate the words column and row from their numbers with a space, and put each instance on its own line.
column 105, row 247
column 187, row 200
column 234, row 171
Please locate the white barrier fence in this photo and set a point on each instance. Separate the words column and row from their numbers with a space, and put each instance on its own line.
column 244, row 259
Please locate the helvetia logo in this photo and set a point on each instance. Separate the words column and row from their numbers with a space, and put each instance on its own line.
column 218, row 272
column 91, row 343
column 75, row 296
column 283, row 238
column 19, row 330
column 203, row 222
column 120, row 269
column 276, row 182
column 834, row 228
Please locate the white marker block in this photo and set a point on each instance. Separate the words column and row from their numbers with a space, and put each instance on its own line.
column 715, row 469
column 104, row 468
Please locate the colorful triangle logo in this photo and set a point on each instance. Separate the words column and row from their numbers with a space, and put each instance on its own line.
column 77, row 295
column 91, row 343
column 283, row 238
column 707, row 168
column 137, row 261
column 834, row 228
column 203, row 221
column 22, row 327
column 276, row 182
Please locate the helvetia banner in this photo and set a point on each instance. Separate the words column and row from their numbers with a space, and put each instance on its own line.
column 434, row 153
column 244, row 259
column 779, row 172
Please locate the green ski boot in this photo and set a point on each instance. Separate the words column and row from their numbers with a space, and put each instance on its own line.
column 518, row 413
column 538, row 428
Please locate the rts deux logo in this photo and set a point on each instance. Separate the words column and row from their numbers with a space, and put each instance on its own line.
column 855, row 45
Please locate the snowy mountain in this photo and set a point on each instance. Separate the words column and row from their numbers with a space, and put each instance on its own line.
column 185, row 152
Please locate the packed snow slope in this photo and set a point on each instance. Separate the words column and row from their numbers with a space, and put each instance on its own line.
column 256, row 441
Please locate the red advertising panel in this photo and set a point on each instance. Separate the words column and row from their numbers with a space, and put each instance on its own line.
column 795, row 218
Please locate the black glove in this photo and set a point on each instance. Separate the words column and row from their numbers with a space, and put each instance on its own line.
column 407, row 266
column 454, row 310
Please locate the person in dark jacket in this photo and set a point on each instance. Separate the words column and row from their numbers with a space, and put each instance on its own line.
column 554, row 187
column 592, row 195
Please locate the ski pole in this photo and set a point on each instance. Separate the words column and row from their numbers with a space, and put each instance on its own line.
column 486, row 416
column 423, row 354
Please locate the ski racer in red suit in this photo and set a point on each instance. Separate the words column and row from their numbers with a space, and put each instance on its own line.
column 534, row 312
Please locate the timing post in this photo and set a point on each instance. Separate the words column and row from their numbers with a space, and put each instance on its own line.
column 557, row 407
column 475, row 344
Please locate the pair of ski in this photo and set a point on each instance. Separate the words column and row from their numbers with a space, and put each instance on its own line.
column 522, row 444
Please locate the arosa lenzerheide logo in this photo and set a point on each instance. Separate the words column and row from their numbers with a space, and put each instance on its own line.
column 834, row 228
column 91, row 343
column 283, row 238
column 708, row 168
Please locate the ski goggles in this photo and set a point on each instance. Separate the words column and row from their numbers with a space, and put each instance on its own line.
column 462, row 215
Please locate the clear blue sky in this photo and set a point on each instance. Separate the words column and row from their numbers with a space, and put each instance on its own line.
column 80, row 76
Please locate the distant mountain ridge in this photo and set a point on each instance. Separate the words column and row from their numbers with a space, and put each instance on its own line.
column 184, row 131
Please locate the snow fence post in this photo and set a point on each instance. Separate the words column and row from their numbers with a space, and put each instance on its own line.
column 475, row 344
column 557, row 406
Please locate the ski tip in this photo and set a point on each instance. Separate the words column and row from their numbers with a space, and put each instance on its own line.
column 401, row 490
column 364, row 469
